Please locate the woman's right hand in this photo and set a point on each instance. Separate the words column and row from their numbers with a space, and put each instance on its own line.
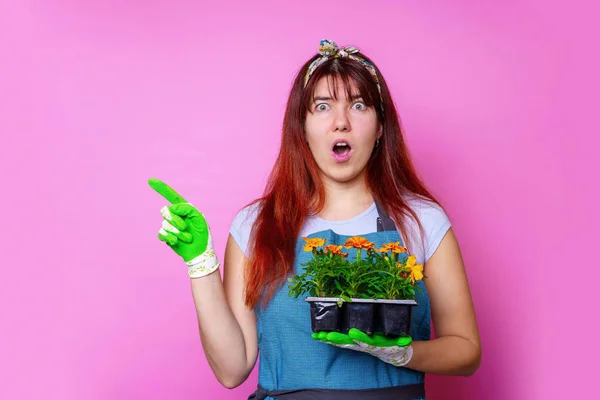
column 185, row 230
column 227, row 327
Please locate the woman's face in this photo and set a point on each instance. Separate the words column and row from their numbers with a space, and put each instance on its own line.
column 341, row 134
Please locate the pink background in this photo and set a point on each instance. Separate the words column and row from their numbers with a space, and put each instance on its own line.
column 497, row 99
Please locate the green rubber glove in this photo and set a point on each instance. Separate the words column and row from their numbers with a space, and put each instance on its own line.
column 185, row 230
column 395, row 351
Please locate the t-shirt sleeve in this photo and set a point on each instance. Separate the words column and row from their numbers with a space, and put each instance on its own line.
column 435, row 224
column 241, row 226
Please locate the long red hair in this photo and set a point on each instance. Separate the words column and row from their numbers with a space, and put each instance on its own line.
column 295, row 190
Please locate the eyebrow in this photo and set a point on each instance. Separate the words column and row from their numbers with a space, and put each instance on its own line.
column 327, row 98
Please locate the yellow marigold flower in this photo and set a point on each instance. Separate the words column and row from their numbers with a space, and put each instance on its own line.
column 333, row 249
column 313, row 243
column 394, row 247
column 359, row 242
column 416, row 273
column 415, row 270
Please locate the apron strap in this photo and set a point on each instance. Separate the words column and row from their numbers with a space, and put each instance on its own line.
column 384, row 222
column 405, row 392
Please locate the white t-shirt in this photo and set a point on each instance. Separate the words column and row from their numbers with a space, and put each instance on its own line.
column 434, row 220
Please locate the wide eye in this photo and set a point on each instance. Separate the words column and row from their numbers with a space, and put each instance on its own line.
column 359, row 106
column 322, row 107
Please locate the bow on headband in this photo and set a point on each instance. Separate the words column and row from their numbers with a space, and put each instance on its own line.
column 329, row 50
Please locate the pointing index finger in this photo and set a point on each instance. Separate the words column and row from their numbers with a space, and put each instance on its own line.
column 166, row 191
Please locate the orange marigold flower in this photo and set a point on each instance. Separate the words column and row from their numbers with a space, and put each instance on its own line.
column 313, row 243
column 394, row 247
column 333, row 249
column 359, row 242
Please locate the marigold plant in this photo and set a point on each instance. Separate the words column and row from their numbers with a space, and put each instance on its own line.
column 389, row 272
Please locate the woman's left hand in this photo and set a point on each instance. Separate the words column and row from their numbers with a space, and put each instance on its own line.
column 395, row 351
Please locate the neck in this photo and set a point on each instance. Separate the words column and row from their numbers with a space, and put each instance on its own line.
column 344, row 200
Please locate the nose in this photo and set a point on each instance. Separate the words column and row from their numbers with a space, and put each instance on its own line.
column 341, row 122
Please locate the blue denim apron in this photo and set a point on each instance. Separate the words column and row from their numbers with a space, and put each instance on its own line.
column 291, row 362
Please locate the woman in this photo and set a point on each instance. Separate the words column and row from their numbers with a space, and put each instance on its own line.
column 343, row 170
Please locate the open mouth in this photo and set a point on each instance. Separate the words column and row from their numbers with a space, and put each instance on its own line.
column 341, row 150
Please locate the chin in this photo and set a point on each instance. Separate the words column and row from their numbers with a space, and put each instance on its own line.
column 343, row 172
column 343, row 177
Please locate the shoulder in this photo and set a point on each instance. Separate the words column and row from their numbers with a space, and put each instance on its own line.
column 247, row 215
column 434, row 220
column 241, row 226
column 429, row 212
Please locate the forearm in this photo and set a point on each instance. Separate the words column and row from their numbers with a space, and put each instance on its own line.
column 220, row 333
column 448, row 355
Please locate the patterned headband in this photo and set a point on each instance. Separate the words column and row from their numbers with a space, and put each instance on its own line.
column 329, row 50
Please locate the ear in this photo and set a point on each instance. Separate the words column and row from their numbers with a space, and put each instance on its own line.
column 379, row 131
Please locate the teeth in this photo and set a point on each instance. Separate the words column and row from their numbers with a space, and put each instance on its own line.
column 341, row 144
